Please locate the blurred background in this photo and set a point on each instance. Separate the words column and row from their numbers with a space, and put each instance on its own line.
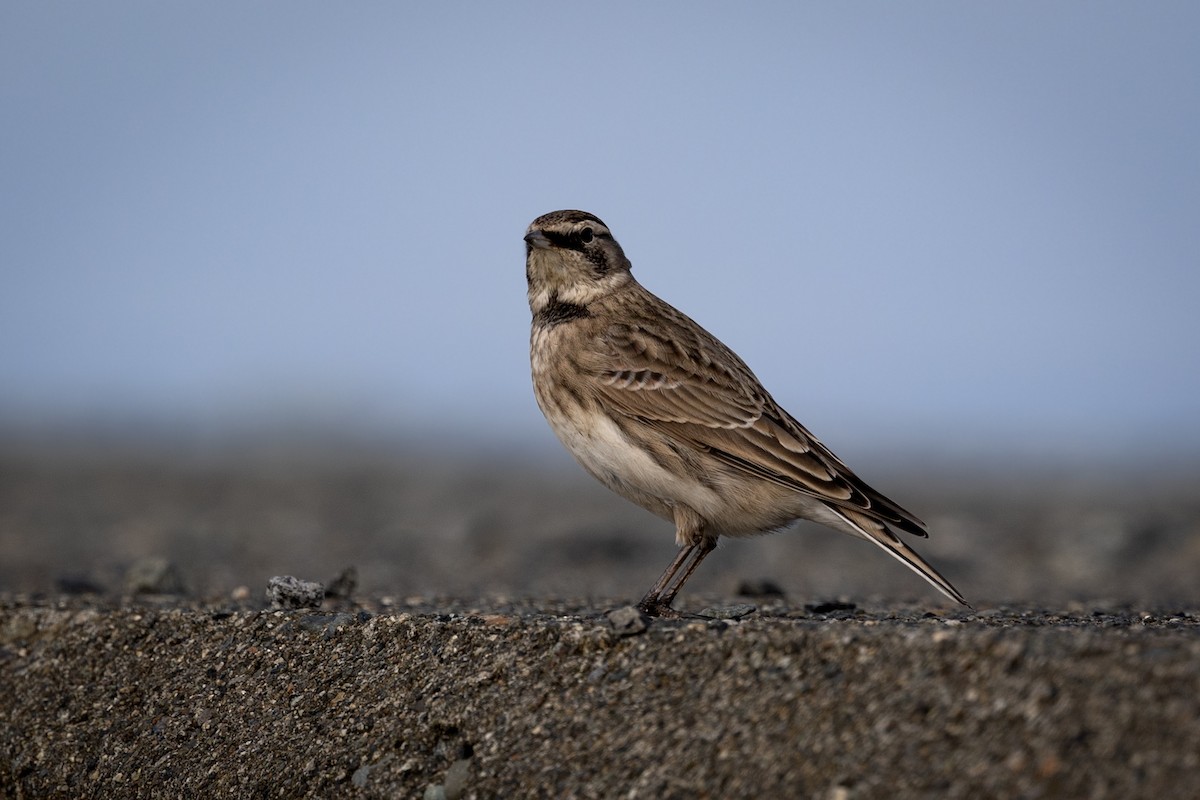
column 262, row 306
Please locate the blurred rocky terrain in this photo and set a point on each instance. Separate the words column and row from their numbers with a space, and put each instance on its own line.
column 416, row 522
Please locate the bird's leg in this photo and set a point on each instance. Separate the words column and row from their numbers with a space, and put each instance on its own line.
column 694, row 546
column 652, row 603
column 702, row 549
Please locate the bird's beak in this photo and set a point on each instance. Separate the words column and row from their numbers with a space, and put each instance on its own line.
column 535, row 238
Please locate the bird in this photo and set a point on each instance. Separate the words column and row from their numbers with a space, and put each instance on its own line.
column 661, row 412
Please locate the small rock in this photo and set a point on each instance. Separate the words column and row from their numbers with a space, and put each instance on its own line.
column 342, row 587
column 360, row 776
column 456, row 779
column 435, row 791
column 626, row 621
column 829, row 607
column 762, row 587
column 736, row 611
column 285, row 591
column 153, row 575
column 78, row 584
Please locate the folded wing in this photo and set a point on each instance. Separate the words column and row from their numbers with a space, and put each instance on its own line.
column 697, row 390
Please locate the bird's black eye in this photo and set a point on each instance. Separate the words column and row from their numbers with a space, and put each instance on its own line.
column 586, row 235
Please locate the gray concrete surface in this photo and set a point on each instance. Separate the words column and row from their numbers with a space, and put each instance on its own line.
column 445, row 699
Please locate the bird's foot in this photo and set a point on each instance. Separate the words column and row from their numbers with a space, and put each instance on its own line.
column 653, row 607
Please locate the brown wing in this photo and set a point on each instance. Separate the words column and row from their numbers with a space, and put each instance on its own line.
column 676, row 376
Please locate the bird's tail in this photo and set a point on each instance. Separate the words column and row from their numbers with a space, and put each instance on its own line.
column 878, row 533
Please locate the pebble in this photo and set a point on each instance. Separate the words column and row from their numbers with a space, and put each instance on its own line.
column 153, row 575
column 342, row 587
column 761, row 587
column 285, row 591
column 456, row 779
column 627, row 621
column 829, row 607
column 78, row 584
column 736, row 611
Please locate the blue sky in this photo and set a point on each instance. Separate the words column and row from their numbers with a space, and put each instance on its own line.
column 973, row 227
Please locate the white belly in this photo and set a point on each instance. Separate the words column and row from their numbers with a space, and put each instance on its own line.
column 624, row 466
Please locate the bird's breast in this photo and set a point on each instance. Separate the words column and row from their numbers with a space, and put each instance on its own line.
column 624, row 454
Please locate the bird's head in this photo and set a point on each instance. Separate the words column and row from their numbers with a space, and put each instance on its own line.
column 571, row 257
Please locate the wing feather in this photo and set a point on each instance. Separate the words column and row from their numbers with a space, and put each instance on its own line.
column 688, row 384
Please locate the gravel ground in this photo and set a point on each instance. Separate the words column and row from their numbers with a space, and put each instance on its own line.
column 503, row 699
column 139, row 656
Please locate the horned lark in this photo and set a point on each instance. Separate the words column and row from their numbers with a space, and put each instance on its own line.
column 665, row 415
